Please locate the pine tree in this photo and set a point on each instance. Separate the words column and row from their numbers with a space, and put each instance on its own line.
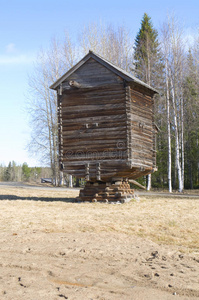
column 147, row 58
column 191, row 112
column 8, row 172
column 26, row 171
column 147, row 55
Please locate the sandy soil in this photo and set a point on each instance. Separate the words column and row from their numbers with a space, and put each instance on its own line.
column 51, row 248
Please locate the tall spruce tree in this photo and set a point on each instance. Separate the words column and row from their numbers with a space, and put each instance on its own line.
column 148, row 65
column 147, row 54
column 191, row 112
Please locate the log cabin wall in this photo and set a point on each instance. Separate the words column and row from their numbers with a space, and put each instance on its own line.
column 94, row 129
column 143, row 131
column 92, row 74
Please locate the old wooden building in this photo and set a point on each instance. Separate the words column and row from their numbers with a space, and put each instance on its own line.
column 106, row 127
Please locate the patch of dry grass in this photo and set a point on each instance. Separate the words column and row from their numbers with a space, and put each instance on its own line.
column 165, row 221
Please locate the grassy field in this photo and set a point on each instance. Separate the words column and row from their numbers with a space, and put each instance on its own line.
column 53, row 248
column 163, row 220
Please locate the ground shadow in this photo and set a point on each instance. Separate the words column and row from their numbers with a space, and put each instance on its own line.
column 45, row 199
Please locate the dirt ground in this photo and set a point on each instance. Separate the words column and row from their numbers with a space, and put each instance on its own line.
column 52, row 248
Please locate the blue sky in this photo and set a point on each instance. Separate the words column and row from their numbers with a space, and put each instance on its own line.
column 27, row 25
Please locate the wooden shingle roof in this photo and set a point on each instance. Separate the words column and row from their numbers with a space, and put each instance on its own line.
column 117, row 70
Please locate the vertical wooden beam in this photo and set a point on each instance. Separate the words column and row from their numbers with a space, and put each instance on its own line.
column 154, row 133
column 60, row 129
column 98, row 171
column 87, row 172
column 128, row 123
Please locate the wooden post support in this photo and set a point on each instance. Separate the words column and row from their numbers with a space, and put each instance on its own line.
column 87, row 172
column 98, row 171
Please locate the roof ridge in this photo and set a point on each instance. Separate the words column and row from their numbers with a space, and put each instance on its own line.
column 123, row 73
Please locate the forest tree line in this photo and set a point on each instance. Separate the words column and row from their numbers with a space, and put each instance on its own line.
column 23, row 173
column 18, row 173
column 162, row 59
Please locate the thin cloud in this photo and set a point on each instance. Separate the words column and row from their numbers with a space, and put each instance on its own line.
column 11, row 48
column 16, row 59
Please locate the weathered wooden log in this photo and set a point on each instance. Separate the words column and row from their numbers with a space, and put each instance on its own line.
column 74, row 83
column 94, row 191
column 137, row 183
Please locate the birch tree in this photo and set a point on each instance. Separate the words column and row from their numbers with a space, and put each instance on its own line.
column 173, row 53
column 114, row 44
column 42, row 104
column 166, row 52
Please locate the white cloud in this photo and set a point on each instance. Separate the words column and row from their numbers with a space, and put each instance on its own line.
column 12, row 56
column 11, row 48
column 16, row 59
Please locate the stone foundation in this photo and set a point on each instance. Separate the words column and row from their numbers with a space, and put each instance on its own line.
column 106, row 192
